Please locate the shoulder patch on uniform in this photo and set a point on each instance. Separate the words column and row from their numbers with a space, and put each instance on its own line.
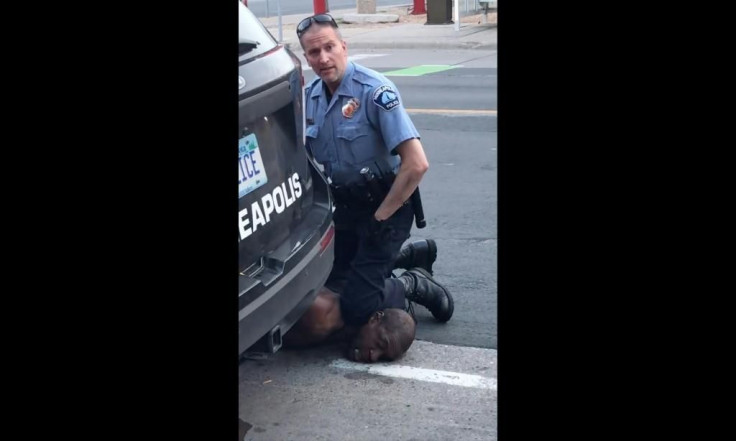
column 386, row 98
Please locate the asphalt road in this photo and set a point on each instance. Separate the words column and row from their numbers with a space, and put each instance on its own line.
column 434, row 393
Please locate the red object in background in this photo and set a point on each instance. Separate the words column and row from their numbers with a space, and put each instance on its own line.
column 419, row 8
column 320, row 6
column 245, row 2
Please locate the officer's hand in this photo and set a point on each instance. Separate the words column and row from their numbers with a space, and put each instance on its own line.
column 378, row 231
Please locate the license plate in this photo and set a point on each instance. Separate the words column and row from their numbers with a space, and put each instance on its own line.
column 251, row 170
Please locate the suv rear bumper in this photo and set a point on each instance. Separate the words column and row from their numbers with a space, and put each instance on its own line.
column 290, row 294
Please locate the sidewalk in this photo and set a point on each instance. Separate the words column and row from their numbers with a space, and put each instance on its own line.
column 410, row 32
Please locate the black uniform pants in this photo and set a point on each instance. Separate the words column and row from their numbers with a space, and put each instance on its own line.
column 362, row 269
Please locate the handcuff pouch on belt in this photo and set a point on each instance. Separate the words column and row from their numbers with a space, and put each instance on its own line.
column 354, row 197
column 363, row 195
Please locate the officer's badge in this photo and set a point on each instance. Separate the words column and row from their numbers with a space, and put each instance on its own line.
column 348, row 110
column 386, row 98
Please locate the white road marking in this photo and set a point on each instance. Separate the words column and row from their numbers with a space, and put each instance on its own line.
column 412, row 373
column 361, row 56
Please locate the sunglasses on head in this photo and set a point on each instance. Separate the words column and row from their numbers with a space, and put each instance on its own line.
column 307, row 22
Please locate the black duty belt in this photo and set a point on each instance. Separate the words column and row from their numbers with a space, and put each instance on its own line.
column 354, row 197
column 371, row 193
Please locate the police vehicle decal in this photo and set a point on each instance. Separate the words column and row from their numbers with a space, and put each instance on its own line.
column 277, row 202
column 385, row 98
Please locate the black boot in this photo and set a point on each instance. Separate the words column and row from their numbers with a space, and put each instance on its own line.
column 421, row 253
column 421, row 288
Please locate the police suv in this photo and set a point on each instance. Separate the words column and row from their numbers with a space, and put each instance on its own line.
column 285, row 227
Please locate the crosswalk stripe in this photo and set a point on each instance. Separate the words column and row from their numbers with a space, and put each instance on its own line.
column 412, row 373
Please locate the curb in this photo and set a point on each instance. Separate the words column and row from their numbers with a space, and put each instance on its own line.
column 384, row 45
column 369, row 18
column 426, row 44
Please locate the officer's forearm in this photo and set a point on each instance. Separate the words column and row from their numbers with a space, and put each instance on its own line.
column 401, row 190
column 413, row 166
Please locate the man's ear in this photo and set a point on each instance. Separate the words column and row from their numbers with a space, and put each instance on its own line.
column 376, row 317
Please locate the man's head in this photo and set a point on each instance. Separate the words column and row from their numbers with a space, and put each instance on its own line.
column 387, row 336
column 324, row 49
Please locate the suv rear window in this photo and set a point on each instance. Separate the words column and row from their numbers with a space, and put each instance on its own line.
column 254, row 38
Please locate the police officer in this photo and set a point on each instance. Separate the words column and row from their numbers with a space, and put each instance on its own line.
column 355, row 120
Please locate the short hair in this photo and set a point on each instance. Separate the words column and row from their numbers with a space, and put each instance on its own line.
column 400, row 330
column 322, row 25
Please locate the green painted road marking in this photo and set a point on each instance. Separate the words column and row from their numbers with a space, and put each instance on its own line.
column 418, row 70
column 458, row 112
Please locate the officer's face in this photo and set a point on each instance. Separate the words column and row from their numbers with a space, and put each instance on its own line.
column 326, row 54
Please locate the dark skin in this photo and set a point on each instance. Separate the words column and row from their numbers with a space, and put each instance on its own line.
column 373, row 342
column 322, row 323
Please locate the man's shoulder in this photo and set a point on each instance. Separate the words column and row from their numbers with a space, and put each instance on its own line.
column 377, row 88
column 369, row 77
column 311, row 85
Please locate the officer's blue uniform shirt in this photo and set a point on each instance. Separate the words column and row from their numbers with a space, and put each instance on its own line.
column 362, row 124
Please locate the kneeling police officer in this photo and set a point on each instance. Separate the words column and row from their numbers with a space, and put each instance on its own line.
column 356, row 122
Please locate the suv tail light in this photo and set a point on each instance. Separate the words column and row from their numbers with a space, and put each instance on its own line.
column 327, row 238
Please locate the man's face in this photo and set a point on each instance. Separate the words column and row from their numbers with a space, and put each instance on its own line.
column 326, row 54
column 372, row 343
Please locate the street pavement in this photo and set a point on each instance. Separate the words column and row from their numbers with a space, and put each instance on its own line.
column 410, row 32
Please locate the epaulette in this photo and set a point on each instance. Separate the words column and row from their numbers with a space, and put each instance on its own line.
column 363, row 77
column 308, row 89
